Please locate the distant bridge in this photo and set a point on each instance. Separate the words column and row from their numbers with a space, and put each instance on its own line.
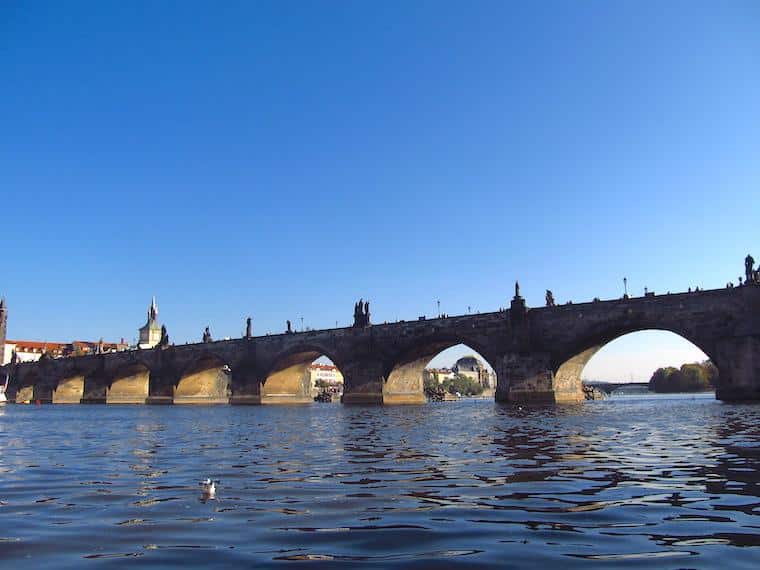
column 610, row 387
column 538, row 355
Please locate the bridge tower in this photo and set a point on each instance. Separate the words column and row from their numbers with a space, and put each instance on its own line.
column 150, row 333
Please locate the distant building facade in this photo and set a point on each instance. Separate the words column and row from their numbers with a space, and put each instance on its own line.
column 328, row 376
column 474, row 369
column 32, row 350
column 440, row 374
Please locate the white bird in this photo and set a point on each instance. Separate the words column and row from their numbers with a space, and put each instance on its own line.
column 208, row 488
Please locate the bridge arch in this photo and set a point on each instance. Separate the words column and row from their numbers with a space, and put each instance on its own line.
column 129, row 384
column 69, row 389
column 404, row 376
column 287, row 379
column 204, row 380
column 32, row 387
column 568, row 370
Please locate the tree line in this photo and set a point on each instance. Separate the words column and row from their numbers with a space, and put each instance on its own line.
column 695, row 377
column 460, row 384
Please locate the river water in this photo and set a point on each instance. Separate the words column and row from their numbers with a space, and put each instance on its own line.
column 665, row 481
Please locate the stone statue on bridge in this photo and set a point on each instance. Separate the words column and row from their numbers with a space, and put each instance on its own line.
column 207, row 335
column 248, row 328
column 361, row 314
column 164, row 342
column 550, row 298
column 289, row 330
column 749, row 271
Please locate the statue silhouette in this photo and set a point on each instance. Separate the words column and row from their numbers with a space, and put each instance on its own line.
column 749, row 264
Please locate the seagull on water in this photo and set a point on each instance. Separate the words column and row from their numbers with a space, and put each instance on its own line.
column 208, row 488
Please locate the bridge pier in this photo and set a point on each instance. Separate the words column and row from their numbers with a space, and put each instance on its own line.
column 528, row 378
column 94, row 390
column 161, row 385
column 159, row 400
column 43, row 393
column 246, row 386
column 738, row 361
column 363, row 382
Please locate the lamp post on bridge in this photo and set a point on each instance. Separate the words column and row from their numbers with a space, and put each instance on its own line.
column 439, row 308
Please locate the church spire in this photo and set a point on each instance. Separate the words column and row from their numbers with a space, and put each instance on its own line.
column 153, row 310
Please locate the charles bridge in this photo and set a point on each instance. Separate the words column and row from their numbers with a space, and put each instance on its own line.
column 538, row 355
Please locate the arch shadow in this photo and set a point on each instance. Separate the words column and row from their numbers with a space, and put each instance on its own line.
column 31, row 388
column 205, row 380
column 129, row 384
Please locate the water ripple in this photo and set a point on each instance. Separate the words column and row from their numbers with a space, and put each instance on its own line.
column 669, row 481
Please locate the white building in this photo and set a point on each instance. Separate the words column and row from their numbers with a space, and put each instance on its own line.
column 328, row 376
column 441, row 374
column 30, row 350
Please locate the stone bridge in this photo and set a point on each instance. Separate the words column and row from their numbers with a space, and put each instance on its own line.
column 538, row 355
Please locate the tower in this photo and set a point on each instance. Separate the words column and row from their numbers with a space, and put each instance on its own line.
column 3, row 329
column 153, row 310
column 150, row 333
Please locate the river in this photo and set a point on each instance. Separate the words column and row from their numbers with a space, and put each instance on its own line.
column 663, row 481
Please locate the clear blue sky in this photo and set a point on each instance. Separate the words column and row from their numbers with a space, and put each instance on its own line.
column 282, row 159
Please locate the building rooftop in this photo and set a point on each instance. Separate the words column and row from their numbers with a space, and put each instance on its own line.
column 61, row 347
column 317, row 366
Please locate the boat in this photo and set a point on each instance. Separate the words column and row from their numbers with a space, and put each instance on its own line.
column 323, row 397
column 3, row 399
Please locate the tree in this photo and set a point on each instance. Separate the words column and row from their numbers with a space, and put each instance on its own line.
column 428, row 380
column 712, row 373
column 661, row 378
column 463, row 385
column 695, row 377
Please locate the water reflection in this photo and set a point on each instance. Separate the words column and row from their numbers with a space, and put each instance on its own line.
column 625, row 481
